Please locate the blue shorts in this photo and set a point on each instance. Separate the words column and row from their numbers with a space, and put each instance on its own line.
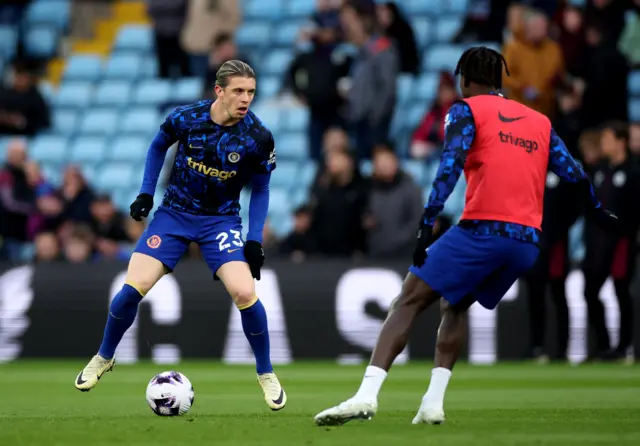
column 170, row 232
column 485, row 266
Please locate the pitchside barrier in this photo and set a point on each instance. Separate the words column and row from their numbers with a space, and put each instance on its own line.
column 329, row 310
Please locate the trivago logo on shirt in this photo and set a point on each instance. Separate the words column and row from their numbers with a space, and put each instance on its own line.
column 529, row 145
column 221, row 175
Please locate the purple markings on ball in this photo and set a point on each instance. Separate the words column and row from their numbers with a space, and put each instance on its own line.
column 167, row 378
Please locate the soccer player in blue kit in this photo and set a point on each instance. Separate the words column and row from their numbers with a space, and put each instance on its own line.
column 223, row 146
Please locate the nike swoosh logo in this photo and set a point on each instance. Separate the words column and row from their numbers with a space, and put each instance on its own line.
column 232, row 250
column 80, row 381
column 506, row 119
column 280, row 398
column 256, row 334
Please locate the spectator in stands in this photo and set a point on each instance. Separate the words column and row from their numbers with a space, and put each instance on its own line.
column 610, row 14
column 375, row 70
column 398, row 28
column 108, row 224
column 38, row 221
column 484, row 22
column 168, row 19
column 17, row 202
column 23, row 110
column 395, row 204
column 299, row 244
column 606, row 94
column 78, row 247
column 534, row 87
column 572, row 40
column 567, row 121
column 590, row 152
column 314, row 74
column 334, row 140
column 630, row 40
column 338, row 202
column 207, row 19
column 223, row 49
column 77, row 196
column 634, row 139
column 47, row 248
column 428, row 138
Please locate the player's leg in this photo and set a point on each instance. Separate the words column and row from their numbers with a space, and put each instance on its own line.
column 558, row 272
column 622, row 272
column 157, row 252
column 536, row 281
column 595, row 311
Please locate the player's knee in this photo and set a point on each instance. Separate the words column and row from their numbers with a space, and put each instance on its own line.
column 144, row 272
column 243, row 296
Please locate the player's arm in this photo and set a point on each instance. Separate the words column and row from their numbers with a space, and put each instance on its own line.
column 258, row 205
column 459, row 132
column 164, row 139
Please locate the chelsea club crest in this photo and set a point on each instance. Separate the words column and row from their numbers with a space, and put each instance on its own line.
column 234, row 157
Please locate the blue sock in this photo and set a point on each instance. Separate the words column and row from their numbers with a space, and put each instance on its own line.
column 254, row 324
column 122, row 313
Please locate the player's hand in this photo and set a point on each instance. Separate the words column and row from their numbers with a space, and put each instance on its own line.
column 424, row 237
column 141, row 206
column 254, row 254
column 605, row 219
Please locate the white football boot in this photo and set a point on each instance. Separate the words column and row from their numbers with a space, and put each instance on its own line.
column 91, row 374
column 429, row 415
column 274, row 394
column 352, row 409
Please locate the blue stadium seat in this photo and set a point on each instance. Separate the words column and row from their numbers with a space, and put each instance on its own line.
column 143, row 120
column 277, row 62
column 634, row 83
column 634, row 110
column 457, row 6
column 414, row 7
column 287, row 33
column 129, row 149
column 47, row 89
column 149, row 67
column 124, row 66
column 296, row 119
column 51, row 12
column 279, row 200
column 83, row 67
column 415, row 115
column 269, row 115
column 292, row 146
column 4, row 142
column 281, row 223
column 8, row 41
column 52, row 173
column 447, row 28
column 300, row 8
column 442, row 57
column 65, row 121
column 427, row 86
column 268, row 86
column 366, row 168
column 271, row 10
column 134, row 38
column 286, row 175
column 415, row 169
column 308, row 174
column 41, row 42
column 89, row 150
column 423, row 30
column 99, row 122
column 48, row 149
column 115, row 176
column 253, row 34
column 405, row 88
column 74, row 94
column 152, row 92
column 113, row 93
column 186, row 90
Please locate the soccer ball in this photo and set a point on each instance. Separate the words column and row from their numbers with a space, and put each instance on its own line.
column 170, row 394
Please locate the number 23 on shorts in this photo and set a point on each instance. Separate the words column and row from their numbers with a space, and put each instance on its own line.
column 236, row 241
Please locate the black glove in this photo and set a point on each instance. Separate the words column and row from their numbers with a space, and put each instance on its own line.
column 254, row 254
column 424, row 237
column 605, row 219
column 141, row 206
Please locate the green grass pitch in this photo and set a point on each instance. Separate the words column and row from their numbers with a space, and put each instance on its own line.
column 508, row 404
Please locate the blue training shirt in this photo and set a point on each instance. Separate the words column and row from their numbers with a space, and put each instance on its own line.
column 460, row 130
column 213, row 163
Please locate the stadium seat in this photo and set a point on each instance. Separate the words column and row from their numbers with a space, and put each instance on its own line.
column 279, row 200
column 187, row 90
column 287, row 33
column 149, row 67
column 269, row 115
column 366, row 168
column 448, row 27
column 415, row 115
column 405, row 88
column 135, row 38
column 415, row 169
column 48, row 149
column 144, row 120
column 423, row 29
column 4, row 142
column 114, row 176
column 124, row 66
column 65, row 121
column 286, row 175
column 253, row 34
column 50, row 12
column 271, row 10
column 634, row 110
column 47, row 89
column 292, row 146
column 268, row 86
column 129, row 149
column 457, row 6
column 634, row 83
column 99, row 122
column 307, row 174
column 299, row 8
column 277, row 62
column 74, row 94
column 41, row 42
column 113, row 93
column 88, row 150
column 442, row 57
column 152, row 92
column 8, row 42
column 296, row 119
column 413, row 7
column 427, row 86
column 83, row 67
column 52, row 173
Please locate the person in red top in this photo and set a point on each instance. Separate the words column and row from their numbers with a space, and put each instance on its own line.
column 505, row 149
